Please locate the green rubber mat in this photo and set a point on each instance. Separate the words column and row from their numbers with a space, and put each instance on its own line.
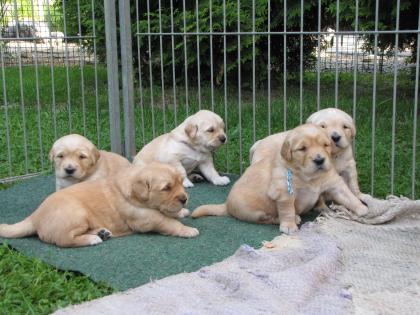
column 131, row 261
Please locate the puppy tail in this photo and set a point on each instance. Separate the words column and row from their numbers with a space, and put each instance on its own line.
column 17, row 230
column 218, row 210
column 252, row 150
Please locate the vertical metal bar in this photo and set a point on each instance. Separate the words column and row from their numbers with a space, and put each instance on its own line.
column 225, row 86
column 269, row 65
column 6, row 111
column 185, row 59
column 112, row 72
column 173, row 61
column 301, row 66
column 81, row 63
column 211, row 54
column 355, row 66
column 54, row 105
column 162, row 79
column 416, row 102
column 95, row 67
column 150, row 70
column 127, row 78
column 67, row 65
column 38, row 105
column 284, row 65
column 318, row 75
column 253, row 73
column 394, row 97
column 239, row 88
column 337, row 26
column 375, row 57
column 140, row 77
column 198, row 54
column 22, row 100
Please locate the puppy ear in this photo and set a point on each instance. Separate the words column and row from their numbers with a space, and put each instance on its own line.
column 191, row 130
column 286, row 151
column 95, row 154
column 353, row 130
column 51, row 154
column 142, row 188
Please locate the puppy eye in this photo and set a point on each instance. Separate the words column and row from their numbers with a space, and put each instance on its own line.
column 60, row 156
column 346, row 127
column 323, row 126
column 82, row 156
column 167, row 188
column 303, row 149
column 326, row 145
column 210, row 129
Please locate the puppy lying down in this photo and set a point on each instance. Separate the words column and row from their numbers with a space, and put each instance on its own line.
column 138, row 199
column 76, row 159
column 277, row 190
column 189, row 147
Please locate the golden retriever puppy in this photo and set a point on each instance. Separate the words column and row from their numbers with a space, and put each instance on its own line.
column 76, row 159
column 277, row 190
column 342, row 130
column 138, row 199
column 188, row 147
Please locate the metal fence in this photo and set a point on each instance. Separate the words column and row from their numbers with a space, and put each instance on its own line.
column 263, row 66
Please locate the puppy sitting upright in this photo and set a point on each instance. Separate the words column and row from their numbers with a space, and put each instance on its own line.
column 139, row 199
column 342, row 130
column 277, row 189
column 76, row 159
column 188, row 147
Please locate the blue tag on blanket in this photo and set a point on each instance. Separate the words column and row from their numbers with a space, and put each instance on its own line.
column 289, row 181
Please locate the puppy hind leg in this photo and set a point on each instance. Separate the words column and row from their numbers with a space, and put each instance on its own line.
column 77, row 238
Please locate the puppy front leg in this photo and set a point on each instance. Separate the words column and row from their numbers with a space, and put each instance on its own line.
column 287, row 215
column 209, row 172
column 352, row 180
column 341, row 194
column 186, row 182
column 157, row 222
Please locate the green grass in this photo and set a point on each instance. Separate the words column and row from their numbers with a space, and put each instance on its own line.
column 54, row 119
column 29, row 286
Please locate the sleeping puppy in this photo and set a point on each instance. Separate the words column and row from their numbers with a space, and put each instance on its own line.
column 138, row 199
column 188, row 147
column 277, row 190
column 76, row 159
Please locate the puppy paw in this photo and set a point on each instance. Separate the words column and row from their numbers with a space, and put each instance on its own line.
column 95, row 240
column 221, row 181
column 298, row 219
column 187, row 183
column 183, row 213
column 104, row 234
column 188, row 232
column 196, row 178
column 361, row 211
column 288, row 227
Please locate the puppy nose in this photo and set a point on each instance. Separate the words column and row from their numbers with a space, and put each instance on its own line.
column 222, row 138
column 69, row 170
column 183, row 199
column 335, row 137
column 319, row 160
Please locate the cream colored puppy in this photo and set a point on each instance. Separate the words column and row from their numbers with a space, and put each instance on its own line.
column 340, row 128
column 188, row 147
column 138, row 199
column 279, row 189
column 76, row 159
